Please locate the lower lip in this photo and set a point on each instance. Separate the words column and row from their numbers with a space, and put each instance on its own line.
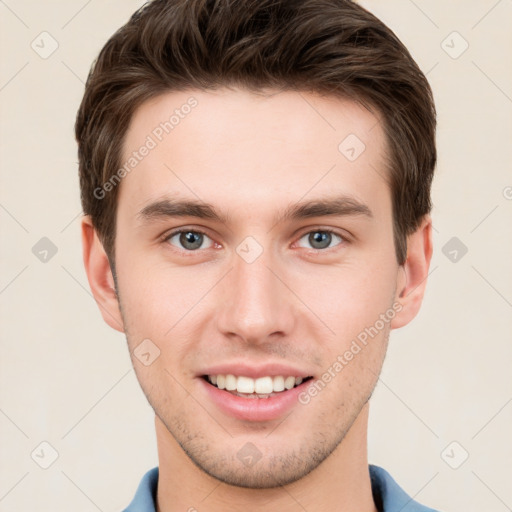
column 254, row 409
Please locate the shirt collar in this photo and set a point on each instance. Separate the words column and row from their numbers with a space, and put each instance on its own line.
column 387, row 494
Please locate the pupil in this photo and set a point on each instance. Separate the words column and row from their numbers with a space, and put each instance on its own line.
column 319, row 238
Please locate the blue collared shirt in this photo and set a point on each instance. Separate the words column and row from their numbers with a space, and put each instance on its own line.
column 387, row 494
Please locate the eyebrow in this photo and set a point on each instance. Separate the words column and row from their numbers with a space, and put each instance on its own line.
column 180, row 208
column 334, row 206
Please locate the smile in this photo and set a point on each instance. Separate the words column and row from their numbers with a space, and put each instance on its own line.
column 247, row 387
column 264, row 398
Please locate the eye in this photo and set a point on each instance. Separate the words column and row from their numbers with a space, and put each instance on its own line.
column 321, row 238
column 189, row 239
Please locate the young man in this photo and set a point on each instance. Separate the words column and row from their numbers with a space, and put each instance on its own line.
column 255, row 180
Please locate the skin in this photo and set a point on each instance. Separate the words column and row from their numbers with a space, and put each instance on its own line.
column 250, row 156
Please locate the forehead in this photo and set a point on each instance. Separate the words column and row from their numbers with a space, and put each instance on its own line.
column 240, row 149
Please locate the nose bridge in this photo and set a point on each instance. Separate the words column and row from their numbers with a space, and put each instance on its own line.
column 255, row 303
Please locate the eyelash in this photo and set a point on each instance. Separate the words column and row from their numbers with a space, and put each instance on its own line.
column 344, row 239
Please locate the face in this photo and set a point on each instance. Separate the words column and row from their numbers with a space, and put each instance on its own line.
column 254, row 246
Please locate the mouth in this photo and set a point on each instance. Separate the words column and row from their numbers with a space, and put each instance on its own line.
column 259, row 388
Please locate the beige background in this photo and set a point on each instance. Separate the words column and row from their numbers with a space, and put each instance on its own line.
column 66, row 378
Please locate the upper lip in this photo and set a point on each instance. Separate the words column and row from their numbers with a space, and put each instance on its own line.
column 255, row 371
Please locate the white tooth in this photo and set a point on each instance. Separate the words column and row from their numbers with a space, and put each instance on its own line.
column 230, row 382
column 213, row 379
column 298, row 380
column 245, row 385
column 263, row 385
column 221, row 381
column 289, row 382
column 278, row 383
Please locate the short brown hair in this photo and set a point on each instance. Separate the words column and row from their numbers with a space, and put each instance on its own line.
column 332, row 47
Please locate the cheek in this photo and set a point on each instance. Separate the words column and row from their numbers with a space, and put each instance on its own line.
column 346, row 298
column 157, row 301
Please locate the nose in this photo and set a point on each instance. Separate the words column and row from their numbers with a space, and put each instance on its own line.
column 256, row 302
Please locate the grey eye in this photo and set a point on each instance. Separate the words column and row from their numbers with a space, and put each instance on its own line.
column 321, row 239
column 189, row 240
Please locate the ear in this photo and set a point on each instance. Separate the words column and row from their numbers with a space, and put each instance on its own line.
column 412, row 275
column 100, row 275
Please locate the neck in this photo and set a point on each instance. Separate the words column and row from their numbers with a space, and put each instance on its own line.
column 340, row 483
